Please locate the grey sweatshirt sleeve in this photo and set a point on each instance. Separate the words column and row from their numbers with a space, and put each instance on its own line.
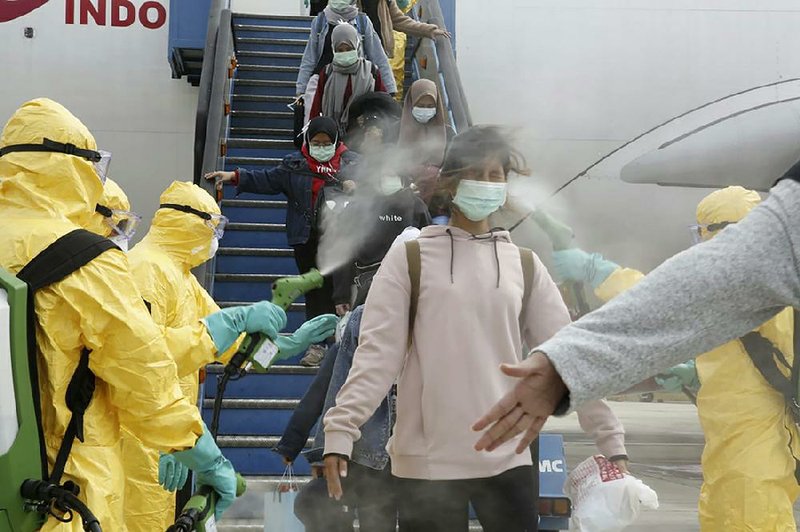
column 695, row 301
column 310, row 59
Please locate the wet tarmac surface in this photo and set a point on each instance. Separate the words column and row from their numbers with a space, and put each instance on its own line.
column 665, row 444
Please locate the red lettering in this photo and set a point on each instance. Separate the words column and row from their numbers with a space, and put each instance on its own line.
column 97, row 13
column 161, row 15
column 70, row 15
column 130, row 13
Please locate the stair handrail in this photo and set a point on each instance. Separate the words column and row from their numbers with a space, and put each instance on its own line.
column 213, row 106
column 448, row 79
column 218, row 31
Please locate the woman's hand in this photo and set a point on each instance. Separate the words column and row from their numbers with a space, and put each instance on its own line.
column 335, row 470
column 349, row 186
column 224, row 177
column 441, row 32
column 622, row 465
column 342, row 309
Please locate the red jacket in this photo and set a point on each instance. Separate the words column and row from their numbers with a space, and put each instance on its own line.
column 316, row 107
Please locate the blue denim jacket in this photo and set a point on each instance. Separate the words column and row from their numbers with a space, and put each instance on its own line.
column 370, row 450
column 293, row 178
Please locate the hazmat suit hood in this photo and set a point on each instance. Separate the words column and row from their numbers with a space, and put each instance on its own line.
column 183, row 236
column 729, row 204
column 52, row 185
column 115, row 199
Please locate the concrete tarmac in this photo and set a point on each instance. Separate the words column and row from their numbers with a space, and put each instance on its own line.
column 665, row 443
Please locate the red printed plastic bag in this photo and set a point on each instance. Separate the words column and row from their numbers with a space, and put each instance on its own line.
column 604, row 499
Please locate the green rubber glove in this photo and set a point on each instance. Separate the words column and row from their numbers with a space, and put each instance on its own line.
column 212, row 469
column 577, row 266
column 172, row 474
column 311, row 332
column 678, row 377
column 226, row 325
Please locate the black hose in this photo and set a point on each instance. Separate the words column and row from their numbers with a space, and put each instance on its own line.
column 40, row 490
column 221, row 386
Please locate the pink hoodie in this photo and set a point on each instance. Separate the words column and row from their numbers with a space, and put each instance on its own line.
column 467, row 324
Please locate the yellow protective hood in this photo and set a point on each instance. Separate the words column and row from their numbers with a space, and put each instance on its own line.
column 115, row 199
column 185, row 237
column 729, row 204
column 54, row 185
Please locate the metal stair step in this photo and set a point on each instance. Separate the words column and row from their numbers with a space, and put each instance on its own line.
column 250, row 67
column 254, row 161
column 254, row 227
column 256, row 252
column 245, row 132
column 251, row 442
column 258, row 16
column 262, row 98
column 258, row 57
column 241, row 26
column 268, row 41
column 264, row 115
column 255, row 404
column 274, row 370
column 265, row 83
column 261, row 144
column 255, row 204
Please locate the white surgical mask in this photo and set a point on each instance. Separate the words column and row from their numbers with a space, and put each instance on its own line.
column 345, row 59
column 338, row 5
column 478, row 199
column 391, row 184
column 214, row 247
column 423, row 115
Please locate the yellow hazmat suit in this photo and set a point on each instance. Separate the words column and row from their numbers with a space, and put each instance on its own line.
column 748, row 462
column 398, row 61
column 161, row 264
column 43, row 196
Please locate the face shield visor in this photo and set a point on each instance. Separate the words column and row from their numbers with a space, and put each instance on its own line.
column 122, row 223
column 100, row 159
column 702, row 232
column 215, row 222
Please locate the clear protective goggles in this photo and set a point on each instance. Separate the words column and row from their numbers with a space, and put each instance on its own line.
column 215, row 222
column 122, row 223
column 702, row 232
column 100, row 159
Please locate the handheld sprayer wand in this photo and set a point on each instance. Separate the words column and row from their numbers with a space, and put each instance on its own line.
column 562, row 237
column 257, row 353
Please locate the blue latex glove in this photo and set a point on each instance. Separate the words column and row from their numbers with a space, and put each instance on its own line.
column 678, row 377
column 311, row 332
column 226, row 325
column 212, row 469
column 576, row 266
column 172, row 474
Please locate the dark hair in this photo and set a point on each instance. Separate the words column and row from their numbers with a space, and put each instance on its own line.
column 322, row 124
column 475, row 147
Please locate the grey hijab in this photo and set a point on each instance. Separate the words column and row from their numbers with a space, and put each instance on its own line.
column 359, row 74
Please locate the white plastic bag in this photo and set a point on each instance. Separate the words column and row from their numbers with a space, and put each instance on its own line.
column 279, row 505
column 604, row 499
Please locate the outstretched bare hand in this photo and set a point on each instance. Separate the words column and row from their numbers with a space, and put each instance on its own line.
column 525, row 408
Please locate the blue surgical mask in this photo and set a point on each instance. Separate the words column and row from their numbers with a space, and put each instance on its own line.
column 423, row 115
column 478, row 199
column 391, row 184
column 345, row 59
column 322, row 154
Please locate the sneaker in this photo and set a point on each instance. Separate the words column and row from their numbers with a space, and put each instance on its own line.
column 314, row 356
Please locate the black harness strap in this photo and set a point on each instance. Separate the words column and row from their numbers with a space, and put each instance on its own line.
column 61, row 258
